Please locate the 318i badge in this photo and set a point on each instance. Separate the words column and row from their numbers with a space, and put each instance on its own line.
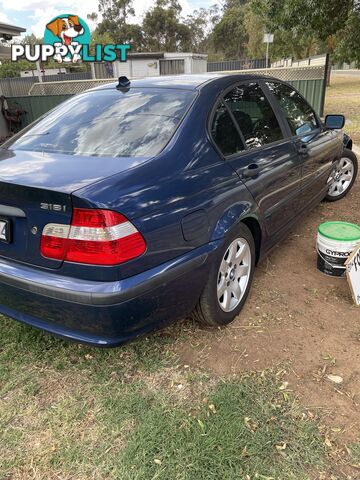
column 4, row 230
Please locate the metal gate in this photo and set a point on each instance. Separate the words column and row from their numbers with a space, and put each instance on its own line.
column 172, row 67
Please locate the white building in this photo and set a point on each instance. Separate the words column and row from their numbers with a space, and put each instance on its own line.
column 155, row 64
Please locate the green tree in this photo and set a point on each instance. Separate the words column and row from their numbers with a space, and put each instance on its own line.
column 286, row 44
column 306, row 21
column 234, row 4
column 201, row 24
column 255, row 29
column 229, row 35
column 116, row 11
column 115, row 16
column 163, row 28
column 32, row 40
column 348, row 40
column 197, row 23
column 13, row 69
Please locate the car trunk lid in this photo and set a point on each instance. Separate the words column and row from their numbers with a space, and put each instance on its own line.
column 36, row 188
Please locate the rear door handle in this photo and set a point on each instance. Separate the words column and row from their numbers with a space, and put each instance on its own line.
column 251, row 171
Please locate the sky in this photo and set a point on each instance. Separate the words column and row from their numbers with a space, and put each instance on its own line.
column 32, row 15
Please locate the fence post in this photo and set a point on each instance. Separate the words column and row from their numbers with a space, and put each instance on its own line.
column 328, row 69
column 325, row 84
column 92, row 68
column 38, row 68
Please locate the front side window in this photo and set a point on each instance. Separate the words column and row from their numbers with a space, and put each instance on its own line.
column 254, row 115
column 224, row 132
column 136, row 123
column 298, row 113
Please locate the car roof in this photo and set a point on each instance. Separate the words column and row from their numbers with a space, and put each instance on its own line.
column 184, row 82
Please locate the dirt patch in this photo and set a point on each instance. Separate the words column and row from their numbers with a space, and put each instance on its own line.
column 297, row 317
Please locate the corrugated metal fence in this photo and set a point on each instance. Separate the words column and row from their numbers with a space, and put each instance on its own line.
column 18, row 86
column 243, row 64
column 35, row 106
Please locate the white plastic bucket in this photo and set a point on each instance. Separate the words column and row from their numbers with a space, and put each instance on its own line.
column 332, row 252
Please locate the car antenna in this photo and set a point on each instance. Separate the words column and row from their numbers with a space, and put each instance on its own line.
column 124, row 82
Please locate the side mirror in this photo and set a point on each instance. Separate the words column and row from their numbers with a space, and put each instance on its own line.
column 334, row 122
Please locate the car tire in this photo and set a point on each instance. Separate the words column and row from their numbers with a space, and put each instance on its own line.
column 213, row 309
column 345, row 168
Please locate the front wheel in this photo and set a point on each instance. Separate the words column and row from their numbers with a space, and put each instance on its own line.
column 343, row 176
column 229, row 280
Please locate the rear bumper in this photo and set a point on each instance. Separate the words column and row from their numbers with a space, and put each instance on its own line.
column 104, row 313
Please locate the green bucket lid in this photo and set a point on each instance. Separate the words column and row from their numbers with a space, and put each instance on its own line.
column 341, row 231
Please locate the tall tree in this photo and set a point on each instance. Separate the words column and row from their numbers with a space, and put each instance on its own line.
column 229, row 34
column 201, row 24
column 163, row 28
column 197, row 23
column 32, row 40
column 320, row 19
column 116, row 11
column 348, row 40
column 255, row 29
column 115, row 15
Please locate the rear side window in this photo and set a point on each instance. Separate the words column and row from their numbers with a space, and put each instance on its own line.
column 224, row 132
column 254, row 115
column 136, row 123
column 299, row 115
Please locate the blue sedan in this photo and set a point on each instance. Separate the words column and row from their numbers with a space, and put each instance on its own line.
column 140, row 202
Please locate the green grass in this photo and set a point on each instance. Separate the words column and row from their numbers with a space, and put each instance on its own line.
column 69, row 411
column 354, row 450
column 343, row 96
column 251, row 419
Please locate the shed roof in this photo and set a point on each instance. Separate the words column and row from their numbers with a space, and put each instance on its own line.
column 6, row 31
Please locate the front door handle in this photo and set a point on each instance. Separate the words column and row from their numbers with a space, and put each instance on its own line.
column 251, row 170
column 303, row 149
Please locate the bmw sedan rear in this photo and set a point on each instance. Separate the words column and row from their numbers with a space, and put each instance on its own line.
column 90, row 248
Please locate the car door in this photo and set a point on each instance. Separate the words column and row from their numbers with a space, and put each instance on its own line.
column 317, row 148
column 252, row 138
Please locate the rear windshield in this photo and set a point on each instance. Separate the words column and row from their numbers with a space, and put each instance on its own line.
column 136, row 123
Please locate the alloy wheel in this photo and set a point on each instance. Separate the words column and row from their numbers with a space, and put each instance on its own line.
column 234, row 274
column 341, row 177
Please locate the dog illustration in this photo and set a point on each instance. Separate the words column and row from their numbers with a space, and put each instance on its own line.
column 66, row 29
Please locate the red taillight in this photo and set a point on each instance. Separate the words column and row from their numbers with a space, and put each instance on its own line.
column 97, row 237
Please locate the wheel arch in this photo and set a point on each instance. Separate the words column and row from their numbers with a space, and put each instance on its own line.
column 255, row 229
column 240, row 213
